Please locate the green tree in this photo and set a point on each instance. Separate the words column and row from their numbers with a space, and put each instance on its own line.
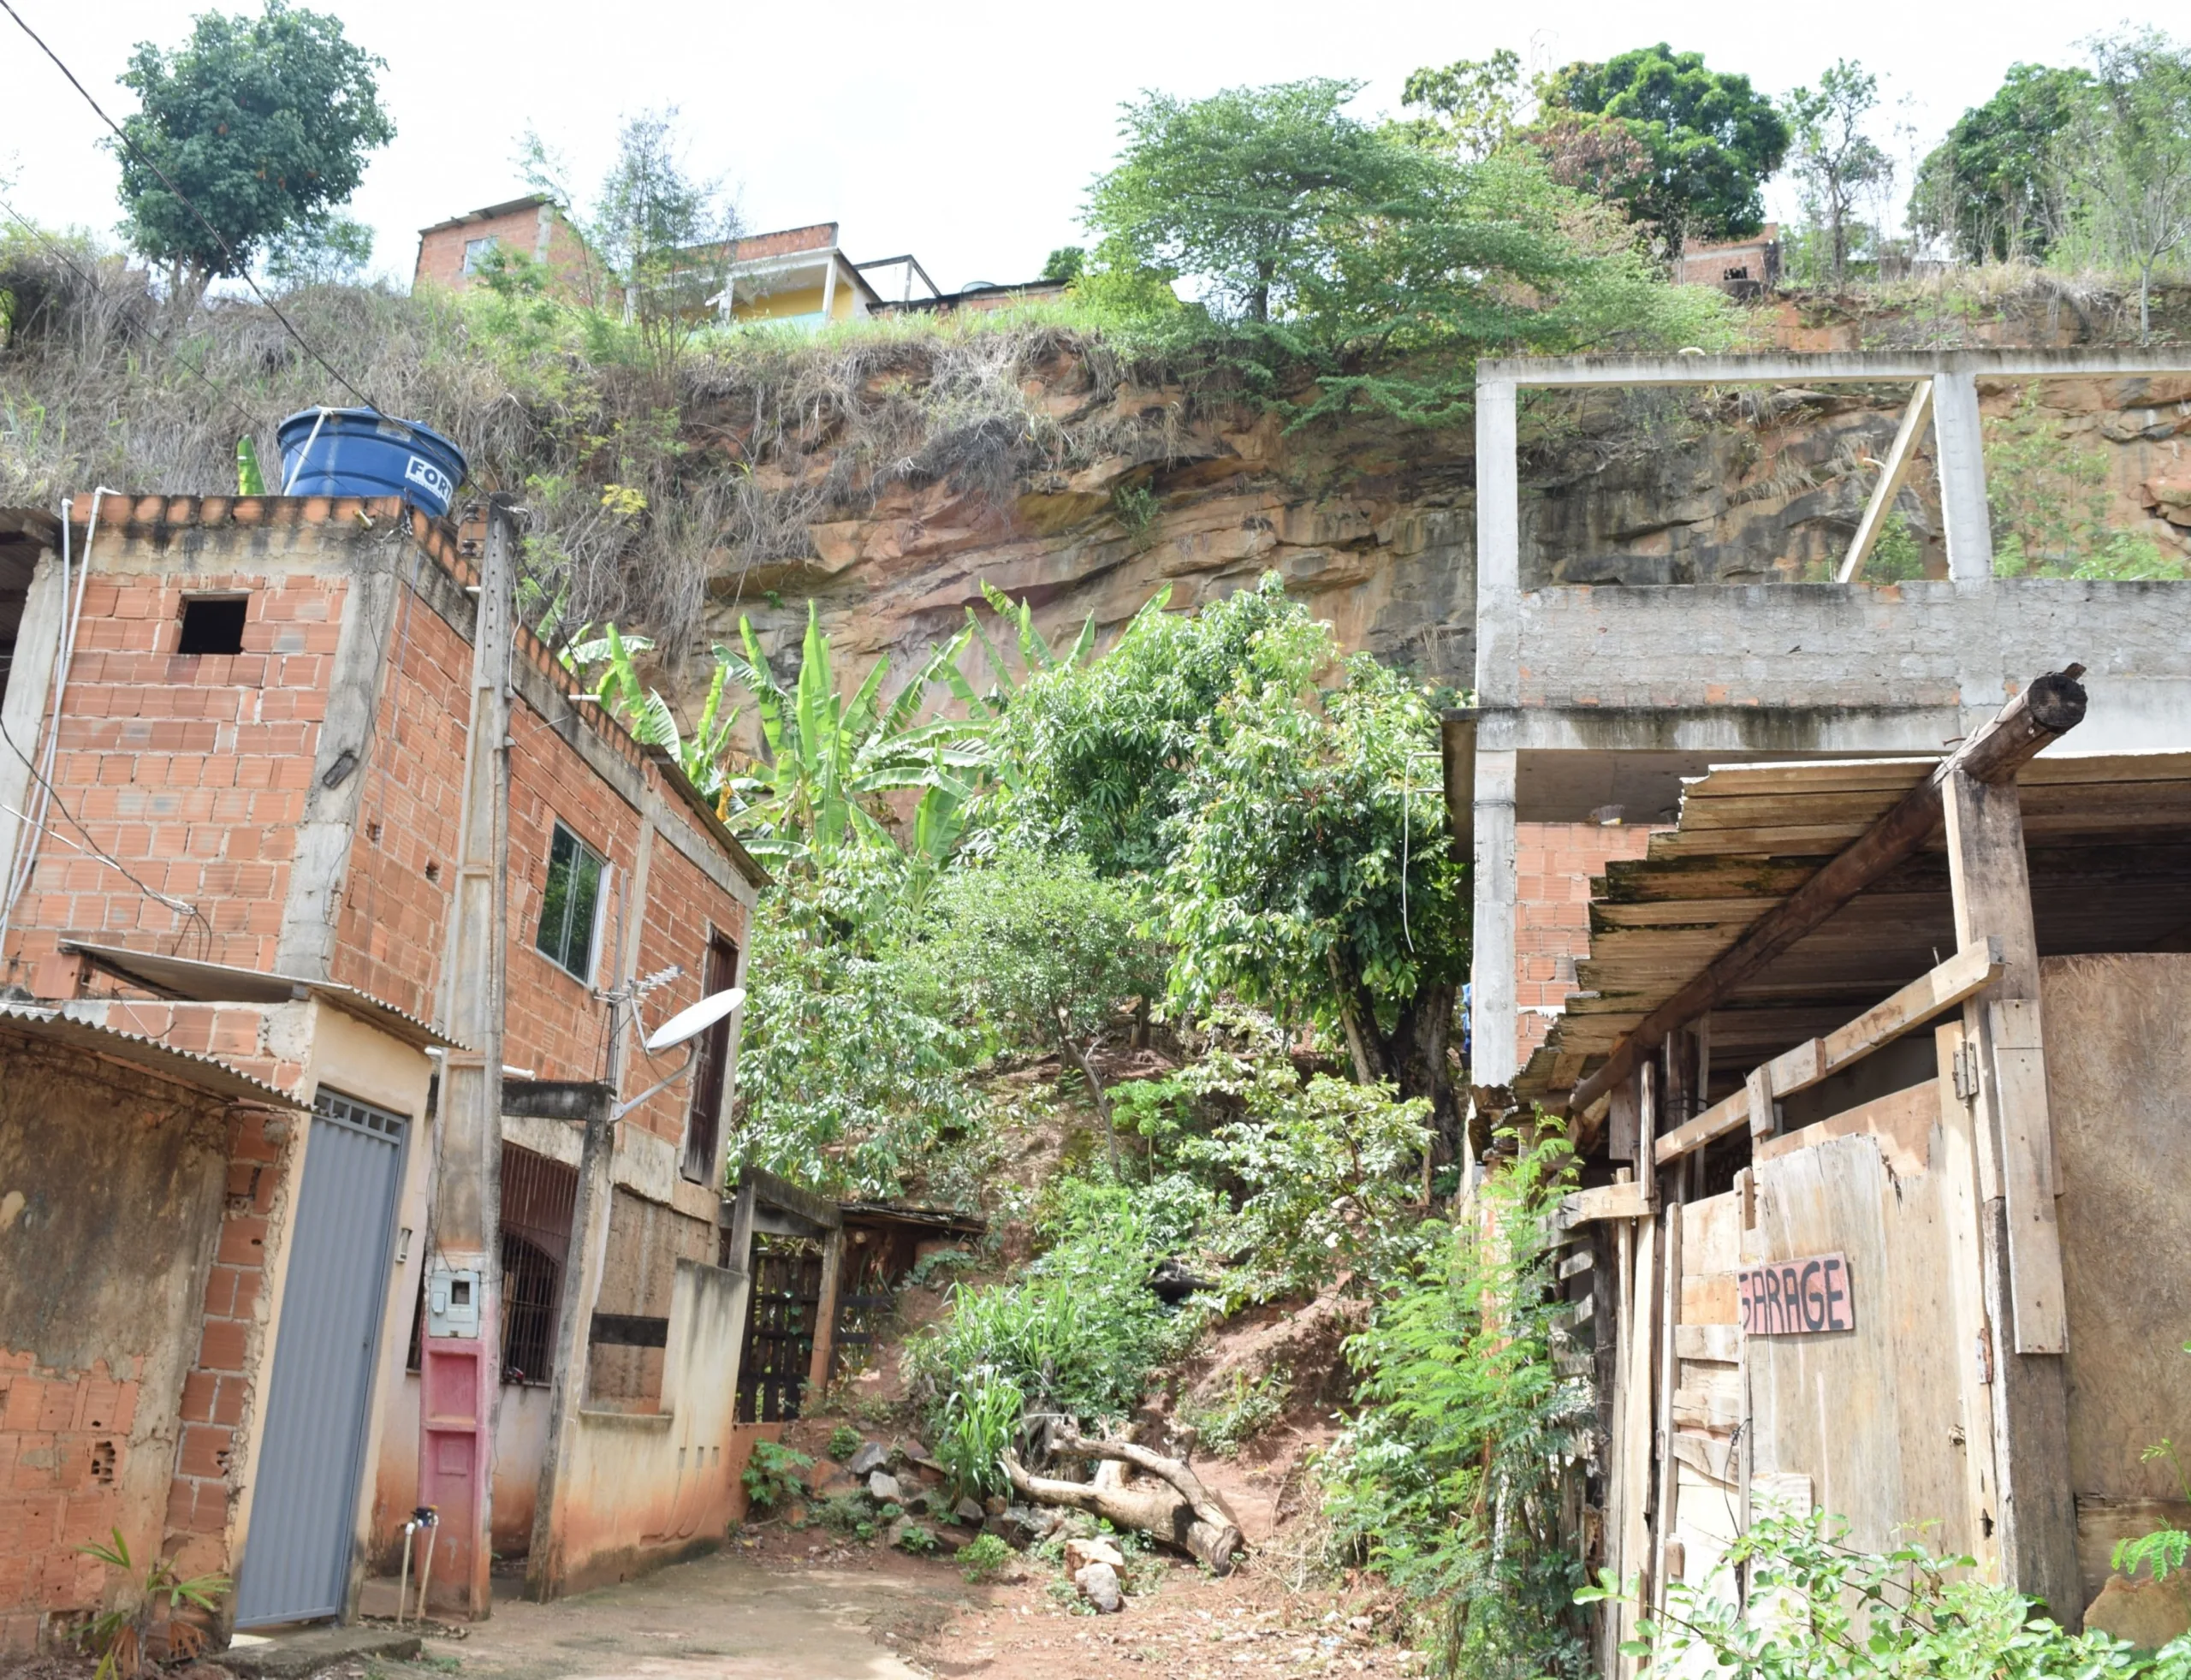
column 1835, row 160
column 1099, row 752
column 1714, row 139
column 1047, row 953
column 1475, row 106
column 1312, row 873
column 263, row 124
column 1985, row 189
column 1250, row 190
column 1067, row 261
column 330, row 250
column 2126, row 160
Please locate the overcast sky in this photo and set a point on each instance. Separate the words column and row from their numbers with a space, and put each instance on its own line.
column 965, row 131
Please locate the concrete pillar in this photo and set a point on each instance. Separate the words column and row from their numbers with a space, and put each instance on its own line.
column 305, row 945
column 544, row 1572
column 460, row 1375
column 1959, row 449
column 1493, row 1016
column 1497, row 548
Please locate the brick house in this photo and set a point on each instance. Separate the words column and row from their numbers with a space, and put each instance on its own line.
column 235, row 833
column 451, row 253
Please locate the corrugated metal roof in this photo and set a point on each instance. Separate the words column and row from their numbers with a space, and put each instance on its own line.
column 183, row 978
column 185, row 1067
column 2109, row 841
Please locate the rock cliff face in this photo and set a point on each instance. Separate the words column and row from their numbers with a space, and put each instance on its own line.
column 1373, row 523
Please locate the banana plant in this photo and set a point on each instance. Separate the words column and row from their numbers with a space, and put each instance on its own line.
column 1037, row 655
column 643, row 711
column 828, row 760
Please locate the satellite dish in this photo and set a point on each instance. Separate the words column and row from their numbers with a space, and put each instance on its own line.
column 693, row 1022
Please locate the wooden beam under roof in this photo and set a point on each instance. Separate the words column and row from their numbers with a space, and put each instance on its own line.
column 2042, row 714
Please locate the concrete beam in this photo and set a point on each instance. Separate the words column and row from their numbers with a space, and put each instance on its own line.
column 1498, row 545
column 1828, row 368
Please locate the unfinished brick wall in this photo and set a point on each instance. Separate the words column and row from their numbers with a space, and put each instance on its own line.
column 684, row 909
column 224, row 1385
column 188, row 771
column 1553, row 863
column 117, row 1188
column 64, row 1436
column 441, row 250
column 395, row 900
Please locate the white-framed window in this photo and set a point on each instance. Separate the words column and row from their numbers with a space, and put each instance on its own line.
column 570, row 904
column 476, row 251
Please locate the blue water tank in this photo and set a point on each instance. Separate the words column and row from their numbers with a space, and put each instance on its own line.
column 357, row 452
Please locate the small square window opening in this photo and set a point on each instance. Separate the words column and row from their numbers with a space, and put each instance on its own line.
column 569, row 904
column 213, row 623
column 476, row 251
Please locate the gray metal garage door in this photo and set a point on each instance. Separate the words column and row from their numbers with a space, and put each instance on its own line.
column 297, row 1555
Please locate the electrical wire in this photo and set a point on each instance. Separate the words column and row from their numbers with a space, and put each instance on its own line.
column 167, row 180
column 54, row 802
column 62, row 254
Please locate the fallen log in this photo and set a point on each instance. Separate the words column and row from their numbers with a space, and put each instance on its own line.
column 1183, row 1514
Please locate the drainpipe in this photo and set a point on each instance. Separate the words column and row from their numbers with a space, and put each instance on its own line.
column 460, row 1352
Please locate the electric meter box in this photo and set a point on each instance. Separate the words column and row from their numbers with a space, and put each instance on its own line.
column 452, row 1302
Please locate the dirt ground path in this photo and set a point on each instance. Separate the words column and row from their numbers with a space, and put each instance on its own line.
column 724, row 1616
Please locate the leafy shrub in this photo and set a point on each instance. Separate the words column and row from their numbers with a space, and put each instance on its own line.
column 920, row 1542
column 985, row 1558
column 844, row 1441
column 1077, row 1334
column 1818, row 1608
column 1325, row 1170
column 974, row 1428
column 931, row 1268
column 1252, row 1407
column 848, row 1514
column 771, row 1474
column 1449, row 1481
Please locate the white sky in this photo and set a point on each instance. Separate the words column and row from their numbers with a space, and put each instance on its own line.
column 964, row 131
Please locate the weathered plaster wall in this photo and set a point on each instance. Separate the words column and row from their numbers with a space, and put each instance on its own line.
column 139, row 1225
column 110, row 1193
column 647, row 1488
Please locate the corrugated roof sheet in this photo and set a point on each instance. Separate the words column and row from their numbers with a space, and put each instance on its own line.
column 185, row 1067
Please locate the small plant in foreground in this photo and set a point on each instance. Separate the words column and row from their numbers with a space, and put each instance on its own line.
column 773, row 1474
column 985, row 1558
column 1820, row 1607
column 1251, row 1407
column 920, row 1542
column 2164, row 1549
column 120, row 1636
column 844, row 1441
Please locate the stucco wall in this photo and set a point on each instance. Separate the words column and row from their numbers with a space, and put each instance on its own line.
column 648, row 1488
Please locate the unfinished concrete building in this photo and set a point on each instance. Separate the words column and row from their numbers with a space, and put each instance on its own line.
column 1885, row 990
column 292, row 824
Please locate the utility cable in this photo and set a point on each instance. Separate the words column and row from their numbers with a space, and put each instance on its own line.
column 61, row 253
column 167, row 180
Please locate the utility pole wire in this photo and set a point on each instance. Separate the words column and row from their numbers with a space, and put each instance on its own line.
column 227, row 250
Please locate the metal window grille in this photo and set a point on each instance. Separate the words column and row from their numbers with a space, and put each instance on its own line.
column 538, row 1195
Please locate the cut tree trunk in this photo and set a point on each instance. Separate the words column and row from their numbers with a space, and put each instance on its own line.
column 1181, row 1513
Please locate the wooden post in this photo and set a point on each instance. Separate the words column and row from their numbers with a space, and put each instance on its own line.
column 1667, row 1375
column 825, row 1320
column 1638, row 1391
column 1957, row 1163
column 2022, row 1251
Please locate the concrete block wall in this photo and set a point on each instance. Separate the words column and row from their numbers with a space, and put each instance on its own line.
column 1553, row 863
